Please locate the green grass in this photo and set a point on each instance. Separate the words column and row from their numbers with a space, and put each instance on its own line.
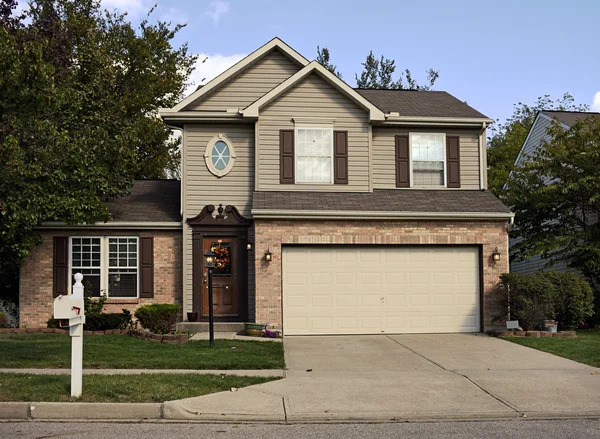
column 583, row 349
column 122, row 352
column 118, row 388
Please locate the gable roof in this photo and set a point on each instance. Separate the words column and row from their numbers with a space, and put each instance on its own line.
column 257, row 54
column 375, row 113
column 381, row 202
column 149, row 201
column 420, row 103
column 569, row 118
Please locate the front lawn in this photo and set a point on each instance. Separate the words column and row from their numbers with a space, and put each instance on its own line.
column 584, row 349
column 118, row 388
column 121, row 352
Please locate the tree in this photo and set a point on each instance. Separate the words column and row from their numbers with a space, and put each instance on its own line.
column 377, row 74
column 323, row 59
column 555, row 195
column 80, row 91
column 507, row 138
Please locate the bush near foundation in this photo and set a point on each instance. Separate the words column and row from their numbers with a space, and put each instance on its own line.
column 553, row 295
column 159, row 318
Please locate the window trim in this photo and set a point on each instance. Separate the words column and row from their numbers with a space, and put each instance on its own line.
column 208, row 155
column 104, row 261
column 410, row 155
column 321, row 128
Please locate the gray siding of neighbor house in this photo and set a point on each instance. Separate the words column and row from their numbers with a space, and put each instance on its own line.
column 537, row 136
column 384, row 155
column 318, row 101
column 201, row 187
column 249, row 84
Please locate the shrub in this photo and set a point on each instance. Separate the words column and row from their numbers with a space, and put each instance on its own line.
column 530, row 297
column 3, row 320
column 158, row 318
column 104, row 321
column 573, row 299
column 11, row 311
column 52, row 323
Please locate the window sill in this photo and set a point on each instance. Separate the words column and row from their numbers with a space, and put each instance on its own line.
column 117, row 300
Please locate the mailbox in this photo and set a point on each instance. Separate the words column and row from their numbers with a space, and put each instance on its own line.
column 69, row 310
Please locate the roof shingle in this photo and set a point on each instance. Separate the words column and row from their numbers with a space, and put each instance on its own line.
column 419, row 103
column 383, row 200
column 569, row 117
column 150, row 201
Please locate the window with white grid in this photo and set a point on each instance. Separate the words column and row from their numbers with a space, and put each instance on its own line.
column 122, row 267
column 314, row 155
column 109, row 265
column 428, row 153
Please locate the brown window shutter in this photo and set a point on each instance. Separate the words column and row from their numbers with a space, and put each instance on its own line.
column 61, row 266
column 453, row 161
column 147, row 267
column 402, row 162
column 286, row 156
column 340, row 157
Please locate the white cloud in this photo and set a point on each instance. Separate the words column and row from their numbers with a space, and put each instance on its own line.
column 216, row 8
column 175, row 16
column 596, row 103
column 212, row 67
column 133, row 7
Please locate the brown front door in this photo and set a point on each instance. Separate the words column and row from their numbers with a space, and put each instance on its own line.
column 225, row 277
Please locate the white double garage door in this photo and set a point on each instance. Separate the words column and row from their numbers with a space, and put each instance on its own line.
column 380, row 289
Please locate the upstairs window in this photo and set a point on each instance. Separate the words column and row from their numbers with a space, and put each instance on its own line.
column 314, row 155
column 219, row 155
column 428, row 155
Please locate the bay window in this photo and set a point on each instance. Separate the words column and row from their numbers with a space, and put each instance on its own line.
column 109, row 265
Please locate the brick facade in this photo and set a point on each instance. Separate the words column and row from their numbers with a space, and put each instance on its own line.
column 271, row 234
column 36, row 279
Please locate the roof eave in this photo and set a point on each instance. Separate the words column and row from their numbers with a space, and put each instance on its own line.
column 370, row 215
column 391, row 119
column 122, row 225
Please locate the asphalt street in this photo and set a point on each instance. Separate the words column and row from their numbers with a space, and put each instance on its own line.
column 530, row 429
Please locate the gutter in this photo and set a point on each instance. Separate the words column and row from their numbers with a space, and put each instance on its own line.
column 145, row 225
column 396, row 119
column 359, row 214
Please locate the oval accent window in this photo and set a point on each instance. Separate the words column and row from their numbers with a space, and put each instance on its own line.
column 219, row 155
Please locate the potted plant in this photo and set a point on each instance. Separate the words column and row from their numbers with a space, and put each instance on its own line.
column 551, row 325
column 254, row 329
column 192, row 316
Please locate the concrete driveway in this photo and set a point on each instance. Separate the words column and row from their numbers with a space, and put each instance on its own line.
column 396, row 377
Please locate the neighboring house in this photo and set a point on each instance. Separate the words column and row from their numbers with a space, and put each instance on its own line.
column 333, row 210
column 537, row 136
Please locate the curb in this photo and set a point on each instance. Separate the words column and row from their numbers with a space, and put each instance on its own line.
column 136, row 412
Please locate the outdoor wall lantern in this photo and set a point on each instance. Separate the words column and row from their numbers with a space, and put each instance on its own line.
column 209, row 264
column 496, row 255
column 268, row 256
column 249, row 244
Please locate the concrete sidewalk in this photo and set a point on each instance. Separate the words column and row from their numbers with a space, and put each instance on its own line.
column 237, row 372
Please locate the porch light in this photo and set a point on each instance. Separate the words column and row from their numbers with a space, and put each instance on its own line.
column 209, row 259
column 249, row 244
column 496, row 255
column 268, row 256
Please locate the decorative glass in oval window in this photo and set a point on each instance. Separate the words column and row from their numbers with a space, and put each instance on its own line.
column 220, row 155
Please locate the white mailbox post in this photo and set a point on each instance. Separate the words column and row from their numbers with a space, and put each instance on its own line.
column 70, row 312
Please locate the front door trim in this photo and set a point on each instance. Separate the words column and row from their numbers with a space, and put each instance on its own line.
column 228, row 223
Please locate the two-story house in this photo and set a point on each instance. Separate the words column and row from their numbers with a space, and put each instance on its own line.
column 332, row 210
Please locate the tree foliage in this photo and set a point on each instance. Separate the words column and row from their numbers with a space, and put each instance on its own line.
column 507, row 138
column 80, row 89
column 555, row 195
column 323, row 59
column 378, row 73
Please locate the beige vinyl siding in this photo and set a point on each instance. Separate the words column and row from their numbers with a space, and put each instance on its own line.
column 249, row 84
column 316, row 100
column 384, row 155
column 202, row 188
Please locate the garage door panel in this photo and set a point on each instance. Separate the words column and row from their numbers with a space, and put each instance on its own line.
column 370, row 290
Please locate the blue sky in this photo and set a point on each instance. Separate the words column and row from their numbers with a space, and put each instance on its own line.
column 491, row 54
